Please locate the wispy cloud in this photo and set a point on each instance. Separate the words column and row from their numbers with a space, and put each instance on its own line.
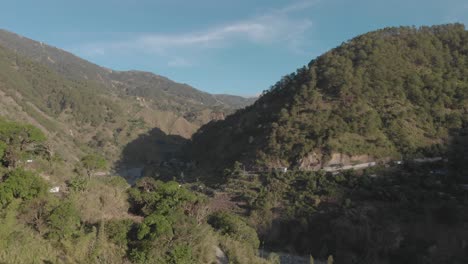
column 275, row 26
column 179, row 63
column 297, row 6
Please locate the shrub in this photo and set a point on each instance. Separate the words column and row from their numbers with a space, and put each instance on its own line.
column 235, row 227
column 77, row 184
column 117, row 231
column 63, row 221
column 23, row 185
column 181, row 254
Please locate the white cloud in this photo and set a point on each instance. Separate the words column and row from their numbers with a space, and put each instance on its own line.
column 298, row 6
column 275, row 26
column 179, row 63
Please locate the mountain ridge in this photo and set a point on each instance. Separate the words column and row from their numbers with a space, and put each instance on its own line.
column 94, row 107
column 387, row 93
column 72, row 66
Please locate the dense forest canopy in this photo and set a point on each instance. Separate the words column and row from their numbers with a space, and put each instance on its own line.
column 391, row 92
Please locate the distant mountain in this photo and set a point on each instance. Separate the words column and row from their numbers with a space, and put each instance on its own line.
column 89, row 107
column 135, row 83
column 62, row 62
column 234, row 100
column 387, row 94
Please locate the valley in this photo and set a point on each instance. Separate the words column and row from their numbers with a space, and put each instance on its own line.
column 358, row 157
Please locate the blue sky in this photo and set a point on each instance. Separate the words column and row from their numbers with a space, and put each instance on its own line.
column 238, row 47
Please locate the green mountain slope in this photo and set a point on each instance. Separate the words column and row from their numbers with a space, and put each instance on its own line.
column 77, row 115
column 392, row 92
column 87, row 107
column 136, row 83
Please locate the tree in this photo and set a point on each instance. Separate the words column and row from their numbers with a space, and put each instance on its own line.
column 63, row 221
column 151, row 196
column 93, row 162
column 45, row 151
column 35, row 213
column 21, row 184
column 235, row 227
column 15, row 139
column 19, row 134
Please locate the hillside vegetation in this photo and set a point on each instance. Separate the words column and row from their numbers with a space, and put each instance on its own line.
column 390, row 94
column 93, row 219
column 90, row 108
column 385, row 94
column 134, row 83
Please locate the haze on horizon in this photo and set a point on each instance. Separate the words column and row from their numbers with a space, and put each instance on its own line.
column 235, row 47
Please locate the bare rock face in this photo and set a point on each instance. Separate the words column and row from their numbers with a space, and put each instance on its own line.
column 311, row 162
column 217, row 116
column 344, row 159
column 314, row 161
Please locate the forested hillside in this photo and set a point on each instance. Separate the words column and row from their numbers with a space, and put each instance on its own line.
column 87, row 108
column 383, row 95
column 88, row 218
column 248, row 187
column 396, row 94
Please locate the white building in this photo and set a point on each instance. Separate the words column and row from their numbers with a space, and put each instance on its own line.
column 55, row 189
